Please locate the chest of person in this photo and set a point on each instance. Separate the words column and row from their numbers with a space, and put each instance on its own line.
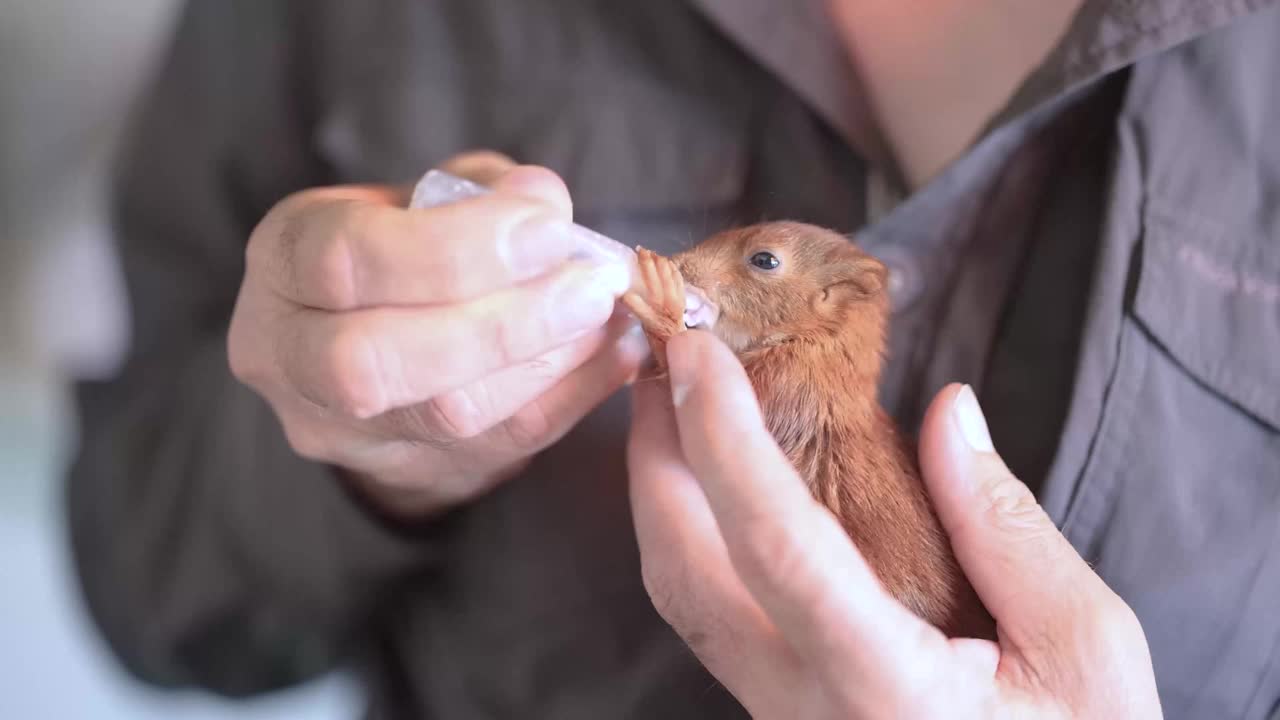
column 1166, row 473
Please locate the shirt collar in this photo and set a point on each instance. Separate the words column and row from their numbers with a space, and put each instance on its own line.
column 796, row 42
column 1108, row 35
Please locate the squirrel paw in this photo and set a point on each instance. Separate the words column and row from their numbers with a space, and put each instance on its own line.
column 659, row 302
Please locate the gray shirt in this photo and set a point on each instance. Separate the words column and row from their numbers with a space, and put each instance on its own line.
column 1102, row 264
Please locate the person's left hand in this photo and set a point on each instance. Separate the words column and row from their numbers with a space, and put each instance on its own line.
column 772, row 596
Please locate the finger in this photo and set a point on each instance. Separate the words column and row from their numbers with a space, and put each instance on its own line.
column 555, row 412
column 349, row 248
column 790, row 552
column 479, row 166
column 982, row 656
column 532, row 404
column 686, row 566
column 367, row 362
column 1024, row 570
column 643, row 311
column 537, row 183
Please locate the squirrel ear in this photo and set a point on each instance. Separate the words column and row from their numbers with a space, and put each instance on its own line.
column 853, row 281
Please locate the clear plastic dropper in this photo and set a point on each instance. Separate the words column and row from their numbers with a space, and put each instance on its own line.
column 441, row 188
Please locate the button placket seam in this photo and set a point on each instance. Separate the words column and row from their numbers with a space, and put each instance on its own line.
column 1099, row 478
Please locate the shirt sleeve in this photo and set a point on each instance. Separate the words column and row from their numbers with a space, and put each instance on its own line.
column 208, row 552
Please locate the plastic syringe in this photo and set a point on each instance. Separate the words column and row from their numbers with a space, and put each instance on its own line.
column 441, row 188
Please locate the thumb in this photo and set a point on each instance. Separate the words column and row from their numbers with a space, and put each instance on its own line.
column 479, row 166
column 1024, row 570
column 538, row 183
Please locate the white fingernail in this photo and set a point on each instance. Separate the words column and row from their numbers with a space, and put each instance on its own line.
column 679, row 391
column 633, row 342
column 973, row 426
column 586, row 297
column 612, row 278
column 535, row 246
column 680, row 370
column 682, row 365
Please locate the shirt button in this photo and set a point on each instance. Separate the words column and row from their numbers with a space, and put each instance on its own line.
column 903, row 282
column 895, row 281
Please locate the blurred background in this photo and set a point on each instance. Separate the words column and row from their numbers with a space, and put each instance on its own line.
column 70, row 70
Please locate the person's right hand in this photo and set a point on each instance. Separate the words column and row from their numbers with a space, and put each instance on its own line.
column 431, row 352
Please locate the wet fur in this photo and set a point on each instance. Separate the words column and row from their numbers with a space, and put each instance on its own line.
column 811, row 337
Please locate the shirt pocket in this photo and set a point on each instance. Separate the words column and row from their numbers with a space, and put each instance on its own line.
column 1179, row 506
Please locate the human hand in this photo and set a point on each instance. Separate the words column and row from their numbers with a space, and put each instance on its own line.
column 431, row 352
column 772, row 596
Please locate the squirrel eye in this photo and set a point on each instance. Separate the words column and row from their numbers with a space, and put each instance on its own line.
column 765, row 261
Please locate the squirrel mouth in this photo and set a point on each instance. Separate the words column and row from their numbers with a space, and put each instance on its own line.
column 699, row 311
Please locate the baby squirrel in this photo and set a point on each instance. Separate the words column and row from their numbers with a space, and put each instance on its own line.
column 806, row 312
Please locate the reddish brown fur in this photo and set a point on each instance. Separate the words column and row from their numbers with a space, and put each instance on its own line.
column 811, row 336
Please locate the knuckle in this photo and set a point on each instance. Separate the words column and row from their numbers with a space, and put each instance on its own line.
column 1010, row 503
column 702, row 629
column 451, row 417
column 917, row 689
column 452, row 278
column 351, row 372
column 305, row 245
column 417, row 426
column 1013, row 512
column 257, row 249
column 1116, row 620
column 243, row 362
column 333, row 275
column 774, row 556
column 306, row 441
column 528, row 428
column 502, row 340
column 274, row 245
column 249, row 359
column 661, row 588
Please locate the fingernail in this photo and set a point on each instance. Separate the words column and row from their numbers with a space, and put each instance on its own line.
column 679, row 392
column 593, row 245
column 587, row 294
column 973, row 426
column 680, row 372
column 633, row 343
column 536, row 246
column 612, row 279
